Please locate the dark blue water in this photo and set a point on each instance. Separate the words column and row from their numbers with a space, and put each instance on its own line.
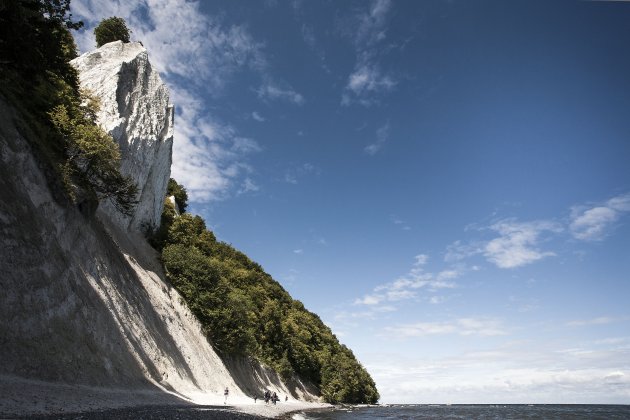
column 543, row 411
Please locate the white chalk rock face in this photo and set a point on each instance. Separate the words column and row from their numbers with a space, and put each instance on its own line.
column 135, row 110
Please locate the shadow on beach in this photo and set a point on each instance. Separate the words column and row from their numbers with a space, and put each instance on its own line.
column 184, row 412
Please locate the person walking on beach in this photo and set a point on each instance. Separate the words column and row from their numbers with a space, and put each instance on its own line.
column 225, row 394
column 274, row 397
column 267, row 396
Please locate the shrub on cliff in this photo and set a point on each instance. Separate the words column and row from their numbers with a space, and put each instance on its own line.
column 92, row 155
column 179, row 192
column 110, row 30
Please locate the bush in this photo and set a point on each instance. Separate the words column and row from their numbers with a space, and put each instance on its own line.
column 92, row 155
column 110, row 30
column 180, row 194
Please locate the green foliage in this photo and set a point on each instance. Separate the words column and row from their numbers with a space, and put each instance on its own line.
column 345, row 380
column 158, row 239
column 245, row 312
column 35, row 48
column 110, row 30
column 180, row 194
column 92, row 155
column 34, row 39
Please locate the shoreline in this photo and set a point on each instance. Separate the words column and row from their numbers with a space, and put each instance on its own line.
column 20, row 397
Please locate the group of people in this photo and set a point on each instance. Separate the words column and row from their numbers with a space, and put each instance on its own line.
column 269, row 396
column 273, row 397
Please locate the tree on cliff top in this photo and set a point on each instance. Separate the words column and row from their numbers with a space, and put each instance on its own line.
column 110, row 30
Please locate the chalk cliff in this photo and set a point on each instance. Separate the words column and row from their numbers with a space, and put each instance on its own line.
column 84, row 300
column 135, row 110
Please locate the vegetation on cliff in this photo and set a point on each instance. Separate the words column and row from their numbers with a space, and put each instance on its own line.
column 37, row 78
column 110, row 30
column 246, row 312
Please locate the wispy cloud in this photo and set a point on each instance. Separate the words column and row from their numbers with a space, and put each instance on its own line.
column 296, row 172
column 458, row 251
column 367, row 80
column 258, row 117
column 400, row 223
column 407, row 286
column 308, row 35
column 517, row 244
column 248, row 186
column 461, row 326
column 602, row 320
column 382, row 135
column 272, row 91
column 372, row 23
column 595, row 222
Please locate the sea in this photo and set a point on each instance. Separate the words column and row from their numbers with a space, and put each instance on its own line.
column 476, row 411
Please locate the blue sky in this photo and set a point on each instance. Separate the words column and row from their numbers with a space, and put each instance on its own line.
column 445, row 183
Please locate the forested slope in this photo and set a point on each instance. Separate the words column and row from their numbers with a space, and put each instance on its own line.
column 246, row 312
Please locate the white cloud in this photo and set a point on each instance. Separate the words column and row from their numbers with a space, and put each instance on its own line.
column 421, row 259
column 517, row 243
column 308, row 35
column 401, row 223
column 382, row 135
column 592, row 224
column 248, row 186
column 461, row 326
column 620, row 203
column 296, row 172
column 369, row 300
column 434, row 300
column 208, row 158
column 407, row 286
column 244, row 145
column 520, row 371
column 458, row 251
column 298, row 251
column 365, row 85
column 271, row 91
column 367, row 81
column 367, row 78
column 448, row 274
column 258, row 117
column 372, row 22
column 594, row 321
